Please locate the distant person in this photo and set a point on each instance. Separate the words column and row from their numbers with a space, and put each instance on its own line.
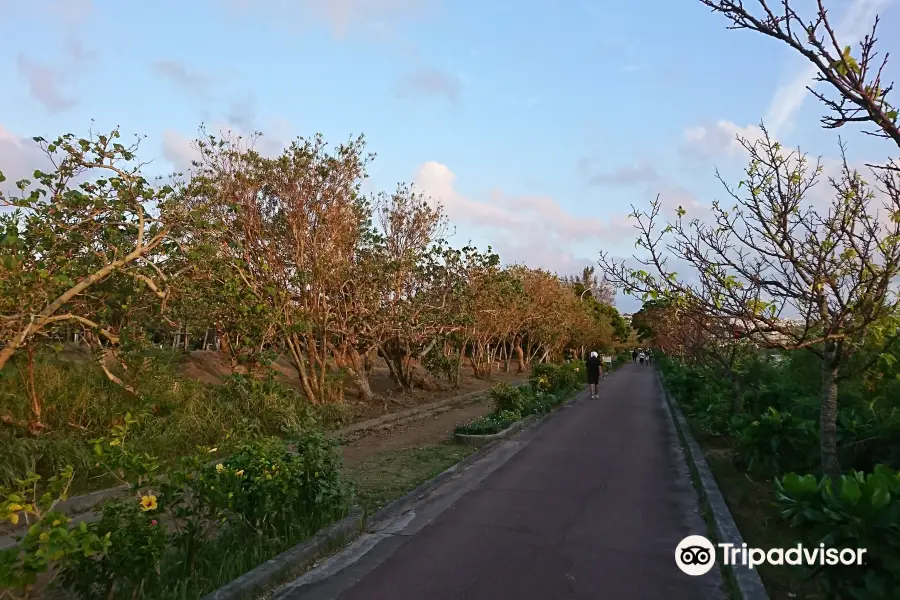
column 634, row 356
column 594, row 369
column 641, row 358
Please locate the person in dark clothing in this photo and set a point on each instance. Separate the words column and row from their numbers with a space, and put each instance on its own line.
column 594, row 370
column 634, row 356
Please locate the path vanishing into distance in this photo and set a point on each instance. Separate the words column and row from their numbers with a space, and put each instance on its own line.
column 589, row 504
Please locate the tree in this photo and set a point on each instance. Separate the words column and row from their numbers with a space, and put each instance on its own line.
column 770, row 253
column 861, row 93
column 419, row 285
column 861, row 97
column 83, row 246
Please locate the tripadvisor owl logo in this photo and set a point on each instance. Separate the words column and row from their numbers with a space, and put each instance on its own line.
column 695, row 555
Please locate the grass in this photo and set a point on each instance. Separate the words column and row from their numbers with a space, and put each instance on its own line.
column 176, row 415
column 388, row 476
column 751, row 503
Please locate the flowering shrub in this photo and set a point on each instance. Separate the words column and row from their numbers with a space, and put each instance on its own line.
column 48, row 540
column 507, row 397
column 549, row 385
column 549, row 377
column 264, row 487
column 168, row 537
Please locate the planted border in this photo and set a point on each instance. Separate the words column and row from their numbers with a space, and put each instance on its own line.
column 549, row 386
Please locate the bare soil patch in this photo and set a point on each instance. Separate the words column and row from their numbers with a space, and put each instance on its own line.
column 432, row 428
column 212, row 367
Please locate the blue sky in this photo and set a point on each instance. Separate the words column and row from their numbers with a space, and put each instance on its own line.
column 537, row 123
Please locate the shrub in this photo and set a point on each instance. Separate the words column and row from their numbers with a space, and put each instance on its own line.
column 187, row 529
column 550, row 377
column 48, row 540
column 266, row 488
column 507, row 398
column 489, row 424
column 776, row 442
column 858, row 511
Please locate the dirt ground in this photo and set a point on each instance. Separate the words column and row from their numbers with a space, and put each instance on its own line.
column 211, row 367
column 432, row 428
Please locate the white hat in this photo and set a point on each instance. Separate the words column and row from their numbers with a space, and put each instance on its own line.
column 593, row 354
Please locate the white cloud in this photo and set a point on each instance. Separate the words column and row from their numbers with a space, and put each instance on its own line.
column 50, row 83
column 719, row 138
column 180, row 149
column 790, row 95
column 19, row 157
column 534, row 229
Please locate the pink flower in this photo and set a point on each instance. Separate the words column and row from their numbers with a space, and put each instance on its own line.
column 153, row 523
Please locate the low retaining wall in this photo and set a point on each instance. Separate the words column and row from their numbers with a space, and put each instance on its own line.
column 747, row 583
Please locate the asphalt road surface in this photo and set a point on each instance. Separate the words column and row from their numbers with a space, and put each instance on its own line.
column 590, row 504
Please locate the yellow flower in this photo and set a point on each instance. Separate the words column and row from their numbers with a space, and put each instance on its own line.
column 220, row 467
column 14, row 519
column 14, row 507
column 115, row 442
column 239, row 473
column 148, row 503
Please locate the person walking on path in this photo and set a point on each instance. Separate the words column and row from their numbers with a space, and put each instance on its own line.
column 634, row 356
column 594, row 370
column 641, row 358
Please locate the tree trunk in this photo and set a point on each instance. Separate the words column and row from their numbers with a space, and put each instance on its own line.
column 520, row 355
column 737, row 405
column 828, row 418
column 355, row 364
column 457, row 371
column 307, row 381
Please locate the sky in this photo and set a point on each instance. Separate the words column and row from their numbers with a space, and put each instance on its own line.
column 537, row 124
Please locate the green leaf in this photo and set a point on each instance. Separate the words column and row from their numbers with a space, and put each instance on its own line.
column 850, row 491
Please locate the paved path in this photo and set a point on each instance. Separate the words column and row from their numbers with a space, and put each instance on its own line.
column 591, row 506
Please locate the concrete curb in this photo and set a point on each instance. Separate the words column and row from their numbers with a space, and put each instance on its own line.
column 524, row 425
column 746, row 581
column 292, row 562
column 394, row 418
column 482, row 440
column 296, row 560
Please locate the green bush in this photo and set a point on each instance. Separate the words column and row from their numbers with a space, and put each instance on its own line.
column 506, row 397
column 549, row 385
column 266, row 488
column 187, row 529
column 859, row 511
column 489, row 424
column 555, row 378
column 776, row 442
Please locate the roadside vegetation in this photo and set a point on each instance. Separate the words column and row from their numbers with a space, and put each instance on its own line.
column 549, row 385
column 194, row 341
column 799, row 417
